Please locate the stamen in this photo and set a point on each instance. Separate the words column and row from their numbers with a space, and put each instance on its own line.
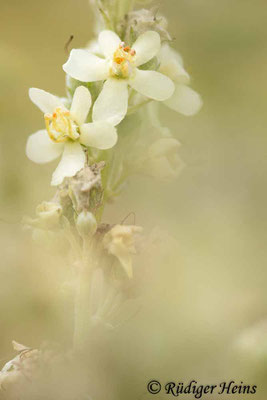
column 60, row 126
column 119, row 60
column 123, row 62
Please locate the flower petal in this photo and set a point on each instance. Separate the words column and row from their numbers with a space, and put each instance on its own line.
column 47, row 102
column 85, row 66
column 152, row 84
column 108, row 41
column 93, row 47
column 146, row 46
column 73, row 159
column 100, row 135
column 184, row 100
column 41, row 149
column 163, row 146
column 163, row 168
column 171, row 64
column 112, row 103
column 81, row 104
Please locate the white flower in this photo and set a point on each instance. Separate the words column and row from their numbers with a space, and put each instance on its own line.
column 48, row 216
column 184, row 99
column 119, row 241
column 21, row 369
column 119, row 69
column 66, row 132
column 163, row 161
column 252, row 341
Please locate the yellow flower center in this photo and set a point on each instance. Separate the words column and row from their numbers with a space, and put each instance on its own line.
column 60, row 126
column 123, row 62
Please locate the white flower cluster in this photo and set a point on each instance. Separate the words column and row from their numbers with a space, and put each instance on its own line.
column 106, row 129
column 122, row 78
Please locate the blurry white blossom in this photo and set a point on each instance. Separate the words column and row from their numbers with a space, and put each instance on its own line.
column 184, row 99
column 119, row 69
column 163, row 161
column 20, row 370
column 48, row 215
column 46, row 227
column 253, row 340
column 155, row 151
column 120, row 242
column 66, row 132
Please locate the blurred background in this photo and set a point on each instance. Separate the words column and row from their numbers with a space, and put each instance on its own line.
column 208, row 288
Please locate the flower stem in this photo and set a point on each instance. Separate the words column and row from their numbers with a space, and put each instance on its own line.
column 82, row 306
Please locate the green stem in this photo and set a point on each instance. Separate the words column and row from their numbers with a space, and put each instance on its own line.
column 82, row 312
column 124, row 7
column 122, row 179
column 104, row 178
column 82, row 307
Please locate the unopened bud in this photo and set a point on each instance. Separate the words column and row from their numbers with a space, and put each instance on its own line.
column 86, row 224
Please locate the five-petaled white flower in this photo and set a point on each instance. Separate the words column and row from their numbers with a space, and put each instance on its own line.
column 119, row 69
column 66, row 132
column 184, row 99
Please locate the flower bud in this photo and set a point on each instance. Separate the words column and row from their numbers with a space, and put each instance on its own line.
column 86, row 224
column 140, row 21
column 49, row 214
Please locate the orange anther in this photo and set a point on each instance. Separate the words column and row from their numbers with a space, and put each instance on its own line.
column 119, row 60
